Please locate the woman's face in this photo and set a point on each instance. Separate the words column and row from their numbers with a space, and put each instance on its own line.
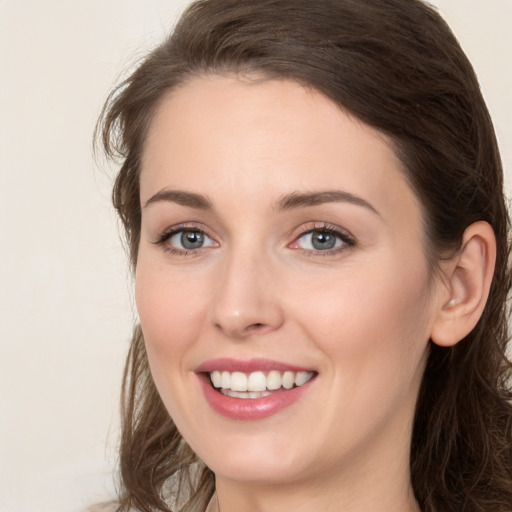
column 281, row 247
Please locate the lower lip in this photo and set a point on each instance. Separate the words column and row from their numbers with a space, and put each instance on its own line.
column 250, row 408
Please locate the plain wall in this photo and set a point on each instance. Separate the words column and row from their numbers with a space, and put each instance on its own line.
column 65, row 292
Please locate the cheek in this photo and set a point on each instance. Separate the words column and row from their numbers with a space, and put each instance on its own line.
column 170, row 310
column 373, row 331
column 373, row 324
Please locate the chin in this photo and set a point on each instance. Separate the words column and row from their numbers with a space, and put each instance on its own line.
column 267, row 457
column 260, row 469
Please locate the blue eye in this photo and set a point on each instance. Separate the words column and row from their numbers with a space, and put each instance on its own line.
column 188, row 240
column 325, row 240
column 319, row 241
column 185, row 239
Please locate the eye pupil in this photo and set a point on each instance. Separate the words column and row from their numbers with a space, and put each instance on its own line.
column 192, row 239
column 323, row 241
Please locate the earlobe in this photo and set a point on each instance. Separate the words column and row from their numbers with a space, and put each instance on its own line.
column 468, row 278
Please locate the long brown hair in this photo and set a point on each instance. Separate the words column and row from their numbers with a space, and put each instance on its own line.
column 395, row 65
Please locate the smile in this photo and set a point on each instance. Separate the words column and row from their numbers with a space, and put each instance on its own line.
column 257, row 384
column 252, row 390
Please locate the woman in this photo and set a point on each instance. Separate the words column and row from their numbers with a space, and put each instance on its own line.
column 312, row 197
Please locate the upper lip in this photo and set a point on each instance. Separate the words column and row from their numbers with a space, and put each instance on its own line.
column 249, row 366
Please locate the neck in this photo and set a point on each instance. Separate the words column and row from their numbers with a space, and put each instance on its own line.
column 299, row 501
column 357, row 488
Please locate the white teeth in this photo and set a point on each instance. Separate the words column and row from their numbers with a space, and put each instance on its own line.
column 274, row 380
column 246, row 395
column 239, row 381
column 257, row 384
column 225, row 380
column 288, row 380
column 216, row 377
column 302, row 377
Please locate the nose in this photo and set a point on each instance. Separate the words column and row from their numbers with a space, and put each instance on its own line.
column 245, row 302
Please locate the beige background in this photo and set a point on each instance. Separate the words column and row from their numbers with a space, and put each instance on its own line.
column 65, row 306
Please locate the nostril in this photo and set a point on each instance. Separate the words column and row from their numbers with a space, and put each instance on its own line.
column 255, row 327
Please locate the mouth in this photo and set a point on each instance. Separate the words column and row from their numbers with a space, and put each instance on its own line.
column 258, row 384
column 255, row 389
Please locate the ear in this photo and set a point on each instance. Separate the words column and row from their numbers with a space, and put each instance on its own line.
column 467, row 280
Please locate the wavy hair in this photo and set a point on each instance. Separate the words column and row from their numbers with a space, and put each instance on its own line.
column 395, row 65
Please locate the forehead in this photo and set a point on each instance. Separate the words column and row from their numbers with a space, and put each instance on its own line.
column 262, row 139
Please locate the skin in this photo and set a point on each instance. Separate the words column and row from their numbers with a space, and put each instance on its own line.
column 361, row 317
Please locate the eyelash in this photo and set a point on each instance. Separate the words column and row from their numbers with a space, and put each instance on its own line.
column 348, row 241
column 166, row 235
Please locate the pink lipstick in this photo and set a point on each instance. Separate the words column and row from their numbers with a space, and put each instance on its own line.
column 254, row 389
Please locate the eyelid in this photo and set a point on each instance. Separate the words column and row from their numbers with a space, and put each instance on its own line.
column 164, row 236
column 348, row 240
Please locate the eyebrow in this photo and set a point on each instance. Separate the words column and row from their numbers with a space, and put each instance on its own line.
column 300, row 200
column 287, row 202
column 182, row 198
